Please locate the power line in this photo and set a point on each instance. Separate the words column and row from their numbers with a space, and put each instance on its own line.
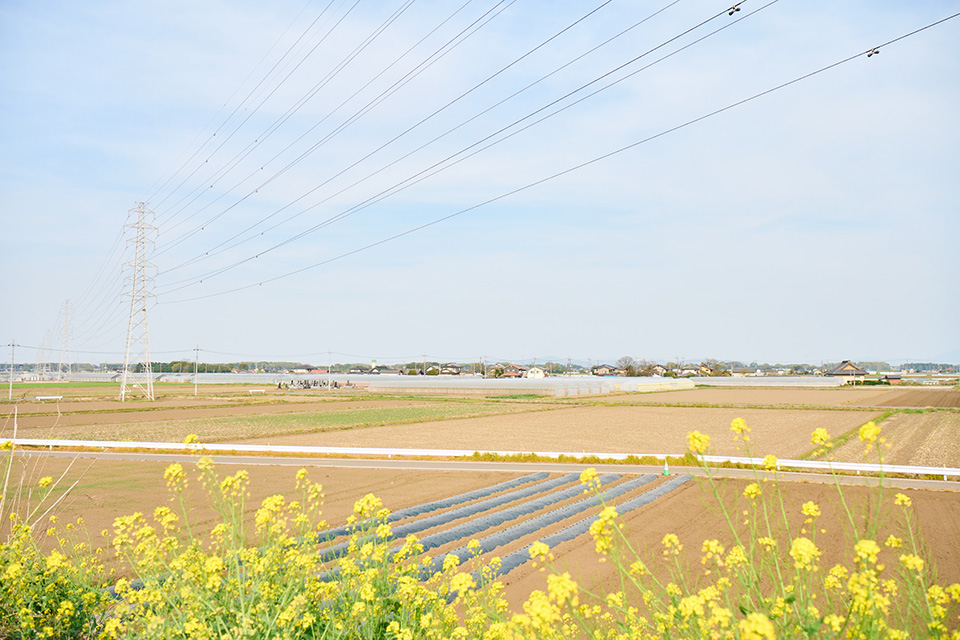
column 376, row 101
column 442, row 51
column 866, row 53
column 446, row 163
column 258, row 106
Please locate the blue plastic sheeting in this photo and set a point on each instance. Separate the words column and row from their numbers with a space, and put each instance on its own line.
column 511, row 534
column 475, row 526
column 472, row 510
column 513, row 560
column 478, row 525
column 443, row 503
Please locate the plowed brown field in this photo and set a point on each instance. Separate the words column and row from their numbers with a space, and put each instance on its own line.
column 936, row 397
column 840, row 397
column 921, row 439
column 604, row 429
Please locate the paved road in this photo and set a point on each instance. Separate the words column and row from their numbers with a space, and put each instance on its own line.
column 506, row 467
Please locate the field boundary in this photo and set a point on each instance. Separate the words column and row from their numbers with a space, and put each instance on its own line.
column 812, row 465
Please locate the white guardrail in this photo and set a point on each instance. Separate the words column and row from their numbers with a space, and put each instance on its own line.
column 816, row 465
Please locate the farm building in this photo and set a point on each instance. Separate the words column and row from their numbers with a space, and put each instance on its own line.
column 848, row 371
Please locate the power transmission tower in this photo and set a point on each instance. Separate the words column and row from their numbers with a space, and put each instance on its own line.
column 64, row 340
column 141, row 285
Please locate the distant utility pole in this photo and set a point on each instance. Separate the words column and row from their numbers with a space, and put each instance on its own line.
column 141, row 284
column 10, row 392
column 196, row 368
column 64, row 340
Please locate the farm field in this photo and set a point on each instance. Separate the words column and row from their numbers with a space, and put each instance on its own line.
column 756, row 396
column 922, row 439
column 232, row 422
column 922, row 397
column 607, row 429
column 112, row 488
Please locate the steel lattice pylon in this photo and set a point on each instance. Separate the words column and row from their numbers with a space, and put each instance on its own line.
column 141, row 285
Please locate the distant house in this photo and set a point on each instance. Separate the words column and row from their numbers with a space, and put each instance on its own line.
column 893, row 378
column 358, row 370
column 604, row 370
column 848, row 371
column 705, row 369
column 388, row 371
column 513, row 371
column 315, row 371
column 536, row 372
column 451, row 369
column 689, row 370
column 658, row 370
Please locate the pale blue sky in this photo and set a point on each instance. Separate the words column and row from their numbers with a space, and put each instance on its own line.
column 816, row 223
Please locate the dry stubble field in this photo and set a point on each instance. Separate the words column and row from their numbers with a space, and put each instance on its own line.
column 111, row 488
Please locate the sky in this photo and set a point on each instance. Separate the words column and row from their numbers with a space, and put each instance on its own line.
column 508, row 179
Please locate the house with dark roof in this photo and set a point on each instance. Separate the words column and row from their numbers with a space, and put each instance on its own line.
column 604, row 370
column 513, row 371
column 848, row 371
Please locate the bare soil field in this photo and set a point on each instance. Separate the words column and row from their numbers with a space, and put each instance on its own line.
column 112, row 488
column 917, row 397
column 243, row 421
column 756, row 396
column 601, row 429
column 922, row 439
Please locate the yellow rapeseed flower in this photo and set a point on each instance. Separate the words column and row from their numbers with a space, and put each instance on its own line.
column 671, row 545
column 562, row 588
column 901, row 500
column 462, row 582
column 175, row 477
column 7, row 445
column 740, row 428
column 602, row 530
column 810, row 509
column 698, row 442
column 770, row 462
column 911, row 562
column 539, row 550
column 589, row 477
column 752, row 491
column 893, row 542
column 820, row 437
column 711, row 549
column 866, row 550
column 45, row 482
column 868, row 433
column 757, row 626
column 191, row 439
column 804, row 553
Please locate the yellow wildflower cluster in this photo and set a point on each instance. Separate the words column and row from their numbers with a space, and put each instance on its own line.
column 740, row 429
column 603, row 529
column 698, row 442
